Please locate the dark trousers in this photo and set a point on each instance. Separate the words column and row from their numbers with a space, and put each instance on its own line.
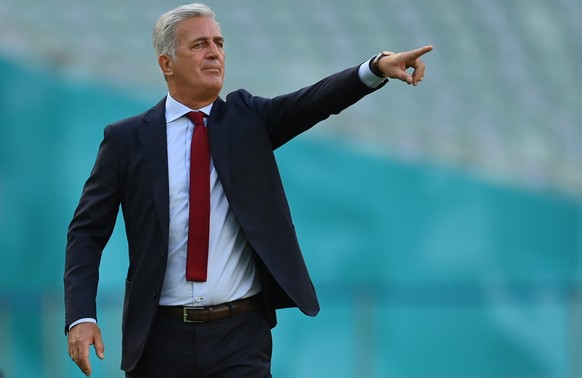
column 239, row 346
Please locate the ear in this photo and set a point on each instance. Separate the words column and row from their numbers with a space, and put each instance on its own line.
column 165, row 63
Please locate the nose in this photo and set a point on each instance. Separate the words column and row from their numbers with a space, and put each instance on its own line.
column 213, row 50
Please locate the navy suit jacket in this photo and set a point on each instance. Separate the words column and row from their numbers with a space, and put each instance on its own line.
column 131, row 170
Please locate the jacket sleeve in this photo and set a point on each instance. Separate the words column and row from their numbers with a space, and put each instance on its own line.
column 89, row 232
column 289, row 115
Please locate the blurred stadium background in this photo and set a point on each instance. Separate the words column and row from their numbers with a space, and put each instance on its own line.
column 442, row 224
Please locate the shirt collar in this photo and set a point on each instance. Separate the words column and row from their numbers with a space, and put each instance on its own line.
column 175, row 109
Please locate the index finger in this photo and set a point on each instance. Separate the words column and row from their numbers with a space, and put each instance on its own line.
column 415, row 54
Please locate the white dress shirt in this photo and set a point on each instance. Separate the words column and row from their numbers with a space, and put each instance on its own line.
column 231, row 268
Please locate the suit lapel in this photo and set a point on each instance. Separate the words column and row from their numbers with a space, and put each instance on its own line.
column 218, row 134
column 155, row 152
column 153, row 139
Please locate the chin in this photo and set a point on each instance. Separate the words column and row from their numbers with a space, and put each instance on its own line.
column 215, row 85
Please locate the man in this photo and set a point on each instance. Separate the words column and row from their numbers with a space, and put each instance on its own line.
column 211, row 315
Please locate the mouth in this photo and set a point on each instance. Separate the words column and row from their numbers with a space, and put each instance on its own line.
column 212, row 69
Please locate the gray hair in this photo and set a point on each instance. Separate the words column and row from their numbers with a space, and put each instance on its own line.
column 164, row 36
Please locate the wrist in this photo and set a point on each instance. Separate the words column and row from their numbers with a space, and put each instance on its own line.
column 375, row 63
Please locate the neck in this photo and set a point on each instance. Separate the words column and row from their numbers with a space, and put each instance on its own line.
column 191, row 101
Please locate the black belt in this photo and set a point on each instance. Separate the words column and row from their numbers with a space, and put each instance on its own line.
column 192, row 314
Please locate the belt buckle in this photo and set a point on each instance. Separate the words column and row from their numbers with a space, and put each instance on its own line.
column 185, row 311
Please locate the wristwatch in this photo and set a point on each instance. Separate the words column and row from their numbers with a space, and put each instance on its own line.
column 374, row 63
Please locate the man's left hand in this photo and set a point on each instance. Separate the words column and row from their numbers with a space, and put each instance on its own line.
column 395, row 66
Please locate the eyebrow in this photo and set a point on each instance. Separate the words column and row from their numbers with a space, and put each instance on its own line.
column 216, row 39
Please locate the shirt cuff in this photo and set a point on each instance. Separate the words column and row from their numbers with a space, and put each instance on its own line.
column 368, row 77
column 83, row 320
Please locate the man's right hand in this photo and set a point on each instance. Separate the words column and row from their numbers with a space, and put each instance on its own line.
column 80, row 337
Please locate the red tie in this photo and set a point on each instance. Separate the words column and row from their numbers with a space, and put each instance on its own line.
column 199, row 221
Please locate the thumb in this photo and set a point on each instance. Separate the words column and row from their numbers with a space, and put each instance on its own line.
column 99, row 347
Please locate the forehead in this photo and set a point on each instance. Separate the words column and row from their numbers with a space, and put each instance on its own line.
column 197, row 27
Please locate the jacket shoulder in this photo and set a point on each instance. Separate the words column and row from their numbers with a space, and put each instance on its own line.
column 154, row 114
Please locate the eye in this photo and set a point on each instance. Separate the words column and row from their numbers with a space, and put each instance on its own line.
column 198, row 45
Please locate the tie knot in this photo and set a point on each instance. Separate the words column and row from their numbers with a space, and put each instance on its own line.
column 196, row 117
